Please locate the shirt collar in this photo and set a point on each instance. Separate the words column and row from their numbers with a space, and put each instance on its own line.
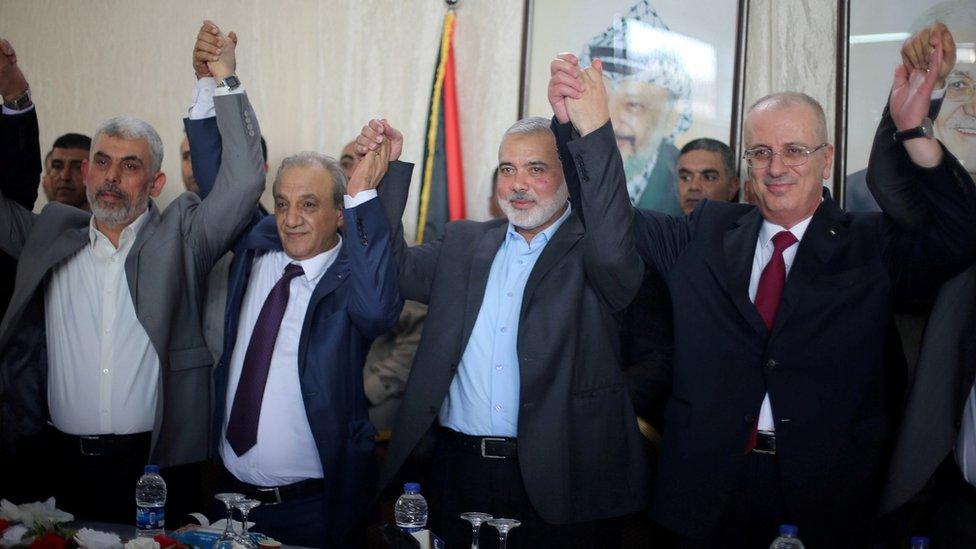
column 128, row 235
column 545, row 235
column 315, row 266
column 769, row 230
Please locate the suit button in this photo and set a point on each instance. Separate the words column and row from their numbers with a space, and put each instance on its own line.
column 749, row 418
column 771, row 364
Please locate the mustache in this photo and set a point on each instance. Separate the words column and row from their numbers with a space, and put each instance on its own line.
column 520, row 195
column 782, row 180
column 110, row 188
column 632, row 140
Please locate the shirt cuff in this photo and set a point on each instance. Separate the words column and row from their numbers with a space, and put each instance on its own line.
column 940, row 93
column 361, row 197
column 202, row 103
column 224, row 90
column 7, row 110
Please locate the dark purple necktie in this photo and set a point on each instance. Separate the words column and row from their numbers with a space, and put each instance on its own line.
column 242, row 427
column 768, row 296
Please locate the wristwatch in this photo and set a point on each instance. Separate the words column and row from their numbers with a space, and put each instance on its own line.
column 19, row 103
column 924, row 130
column 231, row 83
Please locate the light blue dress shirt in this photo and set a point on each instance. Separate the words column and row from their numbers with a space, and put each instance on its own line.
column 484, row 395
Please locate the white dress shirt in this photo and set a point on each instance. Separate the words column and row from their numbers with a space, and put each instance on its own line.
column 966, row 443
column 103, row 372
column 764, row 252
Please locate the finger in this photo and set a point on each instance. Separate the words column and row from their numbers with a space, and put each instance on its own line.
column 918, row 54
column 935, row 61
column 563, row 79
column 205, row 47
column 562, row 90
column 377, row 126
column 5, row 47
column 210, row 27
column 948, row 51
column 233, row 37
column 598, row 66
column 369, row 132
column 204, row 57
column 568, row 57
column 559, row 66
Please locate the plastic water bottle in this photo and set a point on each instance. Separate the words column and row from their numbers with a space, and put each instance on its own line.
column 787, row 538
column 410, row 511
column 150, row 502
column 920, row 542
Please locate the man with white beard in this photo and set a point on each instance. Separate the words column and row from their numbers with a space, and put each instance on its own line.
column 517, row 381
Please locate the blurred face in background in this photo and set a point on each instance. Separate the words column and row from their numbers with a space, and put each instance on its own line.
column 956, row 124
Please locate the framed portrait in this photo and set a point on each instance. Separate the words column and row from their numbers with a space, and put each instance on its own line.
column 876, row 30
column 673, row 70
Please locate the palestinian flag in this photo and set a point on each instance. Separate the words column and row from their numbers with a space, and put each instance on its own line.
column 442, row 182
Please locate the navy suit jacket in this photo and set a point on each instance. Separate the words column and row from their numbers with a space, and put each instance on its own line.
column 355, row 301
column 824, row 362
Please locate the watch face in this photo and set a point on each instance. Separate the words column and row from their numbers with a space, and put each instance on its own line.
column 927, row 129
column 232, row 82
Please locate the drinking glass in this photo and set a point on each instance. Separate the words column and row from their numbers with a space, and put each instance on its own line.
column 476, row 519
column 244, row 507
column 229, row 537
column 504, row 526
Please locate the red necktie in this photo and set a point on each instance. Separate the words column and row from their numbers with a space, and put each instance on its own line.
column 769, row 293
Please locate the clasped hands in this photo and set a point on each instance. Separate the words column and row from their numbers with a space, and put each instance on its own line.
column 578, row 95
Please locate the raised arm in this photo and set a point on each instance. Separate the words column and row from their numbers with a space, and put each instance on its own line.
column 415, row 265
column 20, row 154
column 374, row 304
column 227, row 210
column 928, row 198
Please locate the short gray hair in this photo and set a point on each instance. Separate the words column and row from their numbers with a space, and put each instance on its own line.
column 307, row 159
column 532, row 124
column 128, row 127
column 790, row 98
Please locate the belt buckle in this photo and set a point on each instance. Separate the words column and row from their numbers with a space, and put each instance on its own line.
column 769, row 452
column 81, row 446
column 488, row 456
column 273, row 490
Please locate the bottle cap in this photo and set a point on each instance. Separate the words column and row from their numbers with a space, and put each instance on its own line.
column 411, row 488
column 151, row 469
column 788, row 530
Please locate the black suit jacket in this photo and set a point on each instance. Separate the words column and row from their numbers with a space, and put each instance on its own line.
column 823, row 363
column 20, row 170
column 579, row 448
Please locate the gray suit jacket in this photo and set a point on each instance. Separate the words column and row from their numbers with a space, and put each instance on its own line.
column 166, row 272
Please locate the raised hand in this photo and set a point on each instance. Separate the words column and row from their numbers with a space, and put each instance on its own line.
column 911, row 92
column 565, row 80
column 375, row 133
column 12, row 81
column 371, row 169
column 917, row 48
column 591, row 110
column 214, row 53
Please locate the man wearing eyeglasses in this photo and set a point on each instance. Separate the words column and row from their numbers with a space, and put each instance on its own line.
column 785, row 415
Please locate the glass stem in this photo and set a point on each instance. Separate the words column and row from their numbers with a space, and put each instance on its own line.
column 474, row 535
column 503, row 540
column 229, row 527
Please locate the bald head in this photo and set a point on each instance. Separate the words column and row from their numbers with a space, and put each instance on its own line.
column 783, row 100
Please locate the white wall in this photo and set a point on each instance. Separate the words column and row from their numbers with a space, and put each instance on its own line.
column 315, row 71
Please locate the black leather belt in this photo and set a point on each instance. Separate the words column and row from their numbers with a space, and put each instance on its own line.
column 273, row 495
column 101, row 445
column 486, row 447
column 765, row 443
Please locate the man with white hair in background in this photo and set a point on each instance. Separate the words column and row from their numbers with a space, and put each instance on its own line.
column 649, row 90
column 103, row 365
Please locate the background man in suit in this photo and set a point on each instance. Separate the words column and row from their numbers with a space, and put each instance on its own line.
column 102, row 361
column 705, row 170
column 63, row 181
column 935, row 454
column 517, row 376
column 784, row 416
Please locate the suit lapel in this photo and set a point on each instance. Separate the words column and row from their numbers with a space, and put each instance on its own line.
column 739, row 247
column 562, row 241
column 826, row 234
column 132, row 260
column 484, row 255
column 336, row 274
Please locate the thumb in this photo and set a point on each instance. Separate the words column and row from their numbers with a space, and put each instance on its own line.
column 901, row 76
column 598, row 65
column 233, row 37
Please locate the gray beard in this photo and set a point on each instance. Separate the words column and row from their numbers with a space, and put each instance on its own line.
column 532, row 218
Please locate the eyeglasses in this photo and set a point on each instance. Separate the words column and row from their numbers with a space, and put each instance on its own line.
column 959, row 88
column 792, row 155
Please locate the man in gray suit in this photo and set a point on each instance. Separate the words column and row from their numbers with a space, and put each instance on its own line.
column 103, row 365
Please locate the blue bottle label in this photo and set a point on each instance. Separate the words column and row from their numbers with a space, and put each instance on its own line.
column 150, row 518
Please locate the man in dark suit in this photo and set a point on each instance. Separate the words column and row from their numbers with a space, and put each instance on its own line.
column 779, row 408
column 517, row 376
column 931, row 484
column 310, row 288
